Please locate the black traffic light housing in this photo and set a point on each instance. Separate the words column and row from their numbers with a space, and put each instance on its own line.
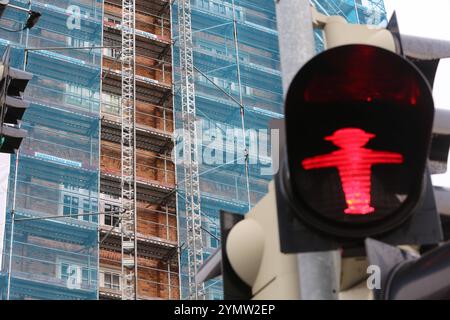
column 218, row 263
column 233, row 287
column 11, row 139
column 3, row 5
column 358, row 130
column 12, row 86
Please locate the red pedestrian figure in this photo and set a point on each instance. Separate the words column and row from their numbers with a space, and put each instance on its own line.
column 354, row 164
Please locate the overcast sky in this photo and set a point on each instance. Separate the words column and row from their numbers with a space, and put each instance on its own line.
column 431, row 19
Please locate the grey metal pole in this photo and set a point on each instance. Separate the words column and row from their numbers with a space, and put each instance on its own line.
column 11, row 238
column 16, row 168
column 296, row 37
column 318, row 271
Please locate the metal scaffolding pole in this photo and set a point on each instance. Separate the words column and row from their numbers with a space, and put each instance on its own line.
column 241, row 103
column 128, row 159
column 190, row 152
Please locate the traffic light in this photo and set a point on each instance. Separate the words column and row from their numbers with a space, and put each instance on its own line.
column 249, row 260
column 358, row 124
column 3, row 5
column 234, row 287
column 12, row 86
column 406, row 276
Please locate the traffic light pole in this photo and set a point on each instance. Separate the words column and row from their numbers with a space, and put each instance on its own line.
column 13, row 209
column 296, row 37
column 318, row 271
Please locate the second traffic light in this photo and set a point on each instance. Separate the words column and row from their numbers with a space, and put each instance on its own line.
column 3, row 5
column 358, row 130
column 12, row 86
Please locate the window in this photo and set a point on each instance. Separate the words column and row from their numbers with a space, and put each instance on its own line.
column 64, row 271
column 213, row 240
column 111, row 280
column 111, row 219
column 111, row 52
column 239, row 14
column 228, row 85
column 94, row 218
column 86, row 210
column 78, row 43
column 76, row 207
column 76, row 275
column 70, row 187
column 85, row 276
column 221, row 8
column 201, row 79
column 113, row 197
column 113, row 19
column 70, row 205
column 214, row 48
column 224, row 84
column 77, row 95
column 110, row 103
column 203, row 4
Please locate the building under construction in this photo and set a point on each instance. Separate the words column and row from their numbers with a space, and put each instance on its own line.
column 93, row 194
column 110, row 196
column 227, row 79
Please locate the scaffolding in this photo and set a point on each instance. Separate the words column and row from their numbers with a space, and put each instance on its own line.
column 136, row 142
column 190, row 151
column 128, row 147
column 237, row 87
column 68, row 235
column 355, row 11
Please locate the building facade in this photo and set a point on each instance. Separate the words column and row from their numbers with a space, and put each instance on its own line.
column 65, row 193
column 157, row 263
column 54, row 256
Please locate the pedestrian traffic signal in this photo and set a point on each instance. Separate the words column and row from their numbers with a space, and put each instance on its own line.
column 12, row 86
column 354, row 163
column 358, row 129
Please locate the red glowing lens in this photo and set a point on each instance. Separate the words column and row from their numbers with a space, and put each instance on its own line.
column 354, row 163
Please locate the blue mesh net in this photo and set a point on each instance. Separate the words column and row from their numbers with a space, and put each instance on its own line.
column 58, row 167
